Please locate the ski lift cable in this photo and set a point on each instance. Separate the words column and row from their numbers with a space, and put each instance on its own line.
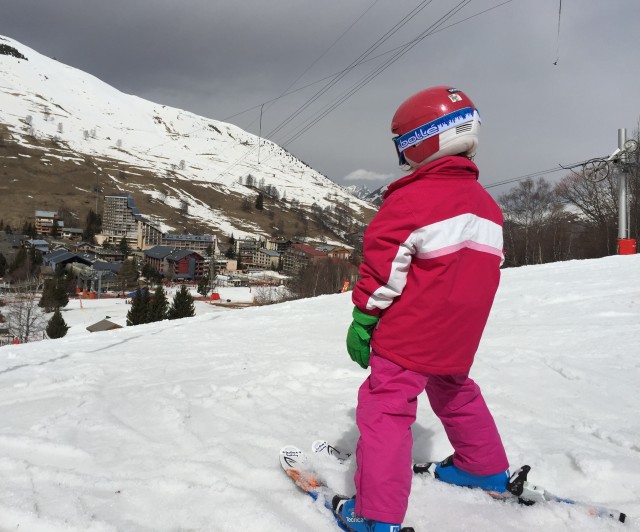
column 367, row 79
column 287, row 90
column 381, row 40
column 541, row 173
column 345, row 70
column 401, row 51
column 293, row 83
column 293, row 91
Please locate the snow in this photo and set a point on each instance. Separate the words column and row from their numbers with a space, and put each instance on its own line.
column 44, row 98
column 80, row 313
column 176, row 426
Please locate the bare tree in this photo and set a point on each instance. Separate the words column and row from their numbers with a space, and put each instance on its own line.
column 25, row 318
column 269, row 295
column 530, row 210
column 326, row 276
column 597, row 200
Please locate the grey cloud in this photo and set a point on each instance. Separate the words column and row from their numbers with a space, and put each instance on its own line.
column 218, row 58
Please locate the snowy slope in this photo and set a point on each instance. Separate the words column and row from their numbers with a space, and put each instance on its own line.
column 176, row 426
column 44, row 98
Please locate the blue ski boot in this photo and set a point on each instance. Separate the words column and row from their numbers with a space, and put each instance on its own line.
column 446, row 471
column 345, row 510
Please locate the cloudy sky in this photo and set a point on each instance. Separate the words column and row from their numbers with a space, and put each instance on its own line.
column 293, row 59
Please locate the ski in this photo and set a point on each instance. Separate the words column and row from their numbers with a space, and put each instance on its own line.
column 323, row 447
column 519, row 489
column 298, row 467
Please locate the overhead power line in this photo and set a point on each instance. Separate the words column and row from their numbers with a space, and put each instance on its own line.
column 293, row 83
column 369, row 59
column 375, row 73
column 539, row 173
column 397, row 52
column 338, row 77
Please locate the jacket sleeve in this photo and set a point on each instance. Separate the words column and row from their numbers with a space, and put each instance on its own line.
column 387, row 251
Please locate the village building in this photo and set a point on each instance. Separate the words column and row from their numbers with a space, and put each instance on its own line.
column 192, row 242
column 120, row 219
column 245, row 249
column 339, row 253
column 176, row 264
column 71, row 233
column 266, row 259
column 298, row 256
column 44, row 221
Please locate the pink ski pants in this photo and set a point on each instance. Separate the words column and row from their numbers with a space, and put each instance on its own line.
column 387, row 404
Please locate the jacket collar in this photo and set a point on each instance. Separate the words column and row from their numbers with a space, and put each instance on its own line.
column 452, row 166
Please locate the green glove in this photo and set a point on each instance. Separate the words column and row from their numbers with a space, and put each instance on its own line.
column 359, row 337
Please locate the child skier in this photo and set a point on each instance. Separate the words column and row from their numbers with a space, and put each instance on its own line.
column 431, row 268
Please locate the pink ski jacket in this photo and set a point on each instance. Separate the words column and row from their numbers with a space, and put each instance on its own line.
column 431, row 267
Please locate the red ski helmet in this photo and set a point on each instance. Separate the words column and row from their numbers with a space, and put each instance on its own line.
column 433, row 123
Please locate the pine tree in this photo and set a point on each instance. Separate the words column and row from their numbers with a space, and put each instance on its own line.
column 60, row 292
column 54, row 293
column 123, row 247
column 260, row 202
column 182, row 305
column 203, row 286
column 47, row 299
column 139, row 311
column 93, row 226
column 159, row 305
column 56, row 326
column 128, row 274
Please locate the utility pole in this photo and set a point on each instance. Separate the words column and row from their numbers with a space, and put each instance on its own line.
column 623, row 228
column 626, row 244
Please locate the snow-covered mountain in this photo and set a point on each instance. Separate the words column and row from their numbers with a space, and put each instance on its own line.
column 359, row 191
column 176, row 425
column 375, row 197
column 372, row 197
column 201, row 167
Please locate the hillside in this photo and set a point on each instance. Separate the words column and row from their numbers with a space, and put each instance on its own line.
column 176, row 426
column 66, row 138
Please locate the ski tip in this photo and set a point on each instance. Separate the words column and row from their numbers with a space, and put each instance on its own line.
column 292, row 457
column 323, row 447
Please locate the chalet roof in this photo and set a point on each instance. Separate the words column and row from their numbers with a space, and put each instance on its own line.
column 55, row 254
column 45, row 214
column 37, row 242
column 309, row 250
column 62, row 256
column 107, row 266
column 103, row 325
column 158, row 252
column 179, row 254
